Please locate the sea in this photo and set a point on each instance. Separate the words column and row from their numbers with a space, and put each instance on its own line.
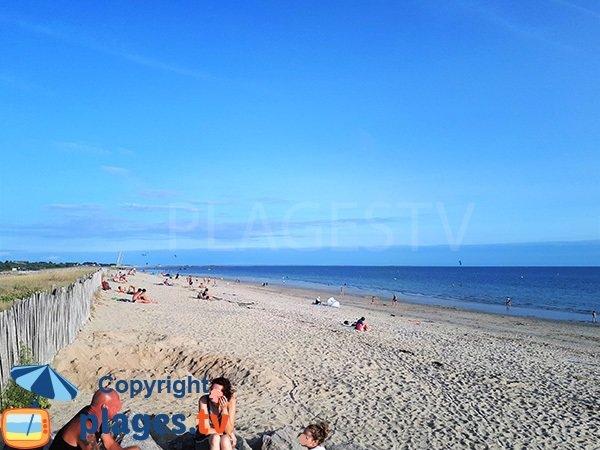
column 558, row 293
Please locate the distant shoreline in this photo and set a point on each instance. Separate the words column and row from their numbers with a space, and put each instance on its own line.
column 498, row 309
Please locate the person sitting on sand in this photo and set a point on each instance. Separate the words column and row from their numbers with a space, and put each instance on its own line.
column 167, row 283
column 69, row 436
column 140, row 297
column 313, row 436
column 130, row 290
column 318, row 301
column 121, row 277
column 361, row 324
column 220, row 402
column 203, row 294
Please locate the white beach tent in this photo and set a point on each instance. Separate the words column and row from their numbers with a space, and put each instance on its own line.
column 332, row 302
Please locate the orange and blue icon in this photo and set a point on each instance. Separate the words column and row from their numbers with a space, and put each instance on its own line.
column 25, row 428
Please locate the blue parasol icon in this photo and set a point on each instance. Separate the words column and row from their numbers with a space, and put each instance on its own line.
column 45, row 381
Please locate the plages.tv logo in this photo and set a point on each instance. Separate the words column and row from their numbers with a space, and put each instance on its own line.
column 143, row 425
column 27, row 428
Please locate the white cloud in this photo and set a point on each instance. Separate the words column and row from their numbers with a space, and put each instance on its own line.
column 74, row 206
column 94, row 46
column 83, row 148
column 583, row 10
column 114, row 170
column 139, row 207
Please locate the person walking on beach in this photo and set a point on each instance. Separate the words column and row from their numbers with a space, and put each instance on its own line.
column 594, row 316
column 313, row 436
column 394, row 300
column 69, row 436
column 508, row 302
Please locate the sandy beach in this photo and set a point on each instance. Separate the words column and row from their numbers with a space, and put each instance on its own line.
column 421, row 377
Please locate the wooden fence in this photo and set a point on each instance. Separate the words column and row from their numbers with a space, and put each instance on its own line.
column 45, row 322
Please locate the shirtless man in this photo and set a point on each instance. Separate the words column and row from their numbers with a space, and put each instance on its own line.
column 69, row 437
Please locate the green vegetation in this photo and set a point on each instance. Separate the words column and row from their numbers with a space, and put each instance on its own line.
column 14, row 396
column 8, row 266
column 17, row 285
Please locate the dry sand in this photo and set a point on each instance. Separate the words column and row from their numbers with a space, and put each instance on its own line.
column 428, row 377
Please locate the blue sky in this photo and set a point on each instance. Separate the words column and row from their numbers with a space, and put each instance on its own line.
column 349, row 132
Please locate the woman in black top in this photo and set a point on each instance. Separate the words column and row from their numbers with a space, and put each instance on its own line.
column 219, row 404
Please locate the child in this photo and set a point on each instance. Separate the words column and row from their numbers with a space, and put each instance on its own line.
column 313, row 436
